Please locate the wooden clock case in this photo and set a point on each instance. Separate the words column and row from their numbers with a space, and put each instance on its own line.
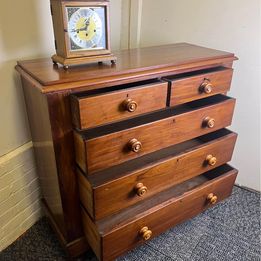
column 64, row 55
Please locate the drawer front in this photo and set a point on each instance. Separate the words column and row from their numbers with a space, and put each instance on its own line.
column 127, row 190
column 157, row 222
column 200, row 86
column 157, row 219
column 115, row 148
column 118, row 105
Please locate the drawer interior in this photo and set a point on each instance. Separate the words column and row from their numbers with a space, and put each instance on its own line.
column 106, row 90
column 165, row 197
column 195, row 73
column 154, row 158
column 145, row 119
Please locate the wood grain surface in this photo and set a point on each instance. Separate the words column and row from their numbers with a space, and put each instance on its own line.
column 182, row 162
column 132, row 65
column 186, row 200
column 62, row 136
column 93, row 110
column 188, row 88
column 171, row 143
column 93, row 238
column 38, row 115
column 112, row 148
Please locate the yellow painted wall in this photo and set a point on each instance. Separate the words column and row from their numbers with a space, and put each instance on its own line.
column 25, row 33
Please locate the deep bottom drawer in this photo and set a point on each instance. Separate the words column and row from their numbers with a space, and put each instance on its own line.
column 112, row 236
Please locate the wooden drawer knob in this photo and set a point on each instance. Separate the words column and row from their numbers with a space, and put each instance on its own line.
column 211, row 160
column 135, row 145
column 212, row 199
column 140, row 189
column 206, row 87
column 146, row 233
column 209, row 122
column 130, row 105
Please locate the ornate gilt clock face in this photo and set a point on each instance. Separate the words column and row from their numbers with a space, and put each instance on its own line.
column 86, row 28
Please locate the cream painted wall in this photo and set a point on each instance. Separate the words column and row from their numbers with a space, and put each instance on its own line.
column 30, row 35
column 233, row 26
column 25, row 33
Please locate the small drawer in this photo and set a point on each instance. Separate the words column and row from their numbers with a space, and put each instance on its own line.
column 104, row 147
column 199, row 85
column 145, row 220
column 114, row 104
column 126, row 184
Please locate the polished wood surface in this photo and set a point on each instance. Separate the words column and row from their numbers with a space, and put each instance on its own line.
column 139, row 174
column 38, row 115
column 86, row 194
column 73, row 248
column 93, row 238
column 212, row 198
column 62, row 135
column 51, row 141
column 58, row 27
column 156, row 214
column 113, row 148
column 145, row 233
column 132, row 65
column 69, row 62
column 118, row 105
column 123, row 186
column 198, row 86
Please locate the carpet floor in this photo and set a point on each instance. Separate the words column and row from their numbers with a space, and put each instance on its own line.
column 229, row 231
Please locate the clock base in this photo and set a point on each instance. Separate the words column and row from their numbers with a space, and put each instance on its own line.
column 67, row 62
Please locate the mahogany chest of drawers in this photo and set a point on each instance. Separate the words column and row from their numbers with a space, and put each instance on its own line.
column 126, row 151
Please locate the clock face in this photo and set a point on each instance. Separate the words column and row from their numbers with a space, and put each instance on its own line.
column 86, row 28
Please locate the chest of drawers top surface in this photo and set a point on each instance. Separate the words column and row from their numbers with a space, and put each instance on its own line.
column 149, row 62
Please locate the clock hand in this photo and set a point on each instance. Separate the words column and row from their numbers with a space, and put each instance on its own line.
column 85, row 28
column 87, row 23
column 77, row 30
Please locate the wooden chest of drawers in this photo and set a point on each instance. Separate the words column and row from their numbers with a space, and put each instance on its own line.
column 126, row 151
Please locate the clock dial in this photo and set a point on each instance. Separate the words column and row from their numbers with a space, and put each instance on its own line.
column 86, row 28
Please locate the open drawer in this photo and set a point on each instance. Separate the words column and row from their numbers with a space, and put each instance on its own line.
column 103, row 106
column 101, row 148
column 113, row 189
column 199, row 84
column 136, row 224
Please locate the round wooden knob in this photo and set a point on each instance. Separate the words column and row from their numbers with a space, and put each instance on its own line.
column 146, row 233
column 212, row 199
column 211, row 160
column 130, row 105
column 206, row 87
column 140, row 189
column 209, row 122
column 135, row 145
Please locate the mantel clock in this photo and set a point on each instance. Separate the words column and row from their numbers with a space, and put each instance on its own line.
column 81, row 31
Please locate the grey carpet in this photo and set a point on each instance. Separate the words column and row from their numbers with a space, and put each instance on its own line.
column 228, row 231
